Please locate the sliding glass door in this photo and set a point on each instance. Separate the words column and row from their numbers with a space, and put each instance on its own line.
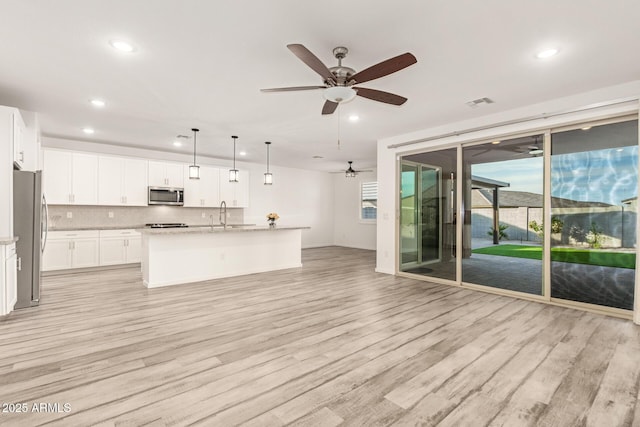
column 594, row 205
column 552, row 215
column 503, row 199
column 427, row 214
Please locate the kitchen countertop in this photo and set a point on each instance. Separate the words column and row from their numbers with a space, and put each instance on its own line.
column 216, row 229
column 135, row 227
column 119, row 227
column 8, row 240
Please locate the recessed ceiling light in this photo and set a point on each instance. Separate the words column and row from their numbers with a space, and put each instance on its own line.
column 88, row 131
column 354, row 118
column 546, row 53
column 586, row 128
column 495, row 142
column 619, row 149
column 98, row 103
column 177, row 144
column 242, row 153
column 122, row 45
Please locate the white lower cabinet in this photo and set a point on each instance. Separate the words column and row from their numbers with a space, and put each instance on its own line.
column 91, row 248
column 8, row 278
column 119, row 247
column 71, row 249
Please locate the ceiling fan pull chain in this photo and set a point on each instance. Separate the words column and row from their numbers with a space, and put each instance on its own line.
column 339, row 120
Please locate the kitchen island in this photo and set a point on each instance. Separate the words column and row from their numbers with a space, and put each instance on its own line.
column 172, row 256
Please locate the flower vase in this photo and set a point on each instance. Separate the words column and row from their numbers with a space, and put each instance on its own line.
column 272, row 223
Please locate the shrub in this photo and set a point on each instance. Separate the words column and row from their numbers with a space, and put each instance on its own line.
column 501, row 233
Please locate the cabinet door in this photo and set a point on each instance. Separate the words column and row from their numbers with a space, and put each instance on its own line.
column 227, row 192
column 112, row 251
column 157, row 175
column 242, row 190
column 57, row 255
column 85, row 179
column 57, row 176
column 85, row 253
column 135, row 182
column 174, row 175
column 10, row 283
column 209, row 186
column 235, row 194
column 18, row 140
column 192, row 189
column 134, row 249
column 110, row 177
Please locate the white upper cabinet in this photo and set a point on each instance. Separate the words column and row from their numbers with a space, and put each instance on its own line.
column 166, row 174
column 18, row 139
column 202, row 192
column 235, row 194
column 70, row 178
column 122, row 181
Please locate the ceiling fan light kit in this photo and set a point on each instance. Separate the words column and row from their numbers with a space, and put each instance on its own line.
column 350, row 173
column 194, row 169
column 339, row 82
column 234, row 174
column 339, row 94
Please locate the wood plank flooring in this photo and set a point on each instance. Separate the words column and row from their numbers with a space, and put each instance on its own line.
column 332, row 343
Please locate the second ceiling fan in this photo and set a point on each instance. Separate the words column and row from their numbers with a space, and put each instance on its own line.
column 339, row 82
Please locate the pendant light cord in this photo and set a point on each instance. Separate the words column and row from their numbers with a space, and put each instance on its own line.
column 268, row 158
column 195, row 133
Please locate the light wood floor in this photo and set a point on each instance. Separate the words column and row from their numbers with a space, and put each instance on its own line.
column 331, row 343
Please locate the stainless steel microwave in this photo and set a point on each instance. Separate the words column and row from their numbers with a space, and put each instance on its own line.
column 166, row 196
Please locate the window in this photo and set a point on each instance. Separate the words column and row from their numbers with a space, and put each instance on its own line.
column 369, row 201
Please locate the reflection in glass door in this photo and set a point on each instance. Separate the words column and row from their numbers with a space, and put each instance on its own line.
column 594, row 189
column 427, row 212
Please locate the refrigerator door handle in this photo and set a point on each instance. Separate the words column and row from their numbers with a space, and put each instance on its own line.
column 45, row 229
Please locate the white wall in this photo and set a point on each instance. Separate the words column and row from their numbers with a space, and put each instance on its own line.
column 349, row 230
column 300, row 197
column 387, row 157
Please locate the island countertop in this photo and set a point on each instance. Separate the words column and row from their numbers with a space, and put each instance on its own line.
column 206, row 253
column 216, row 229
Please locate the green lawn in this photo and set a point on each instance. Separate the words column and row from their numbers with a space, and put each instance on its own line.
column 577, row 256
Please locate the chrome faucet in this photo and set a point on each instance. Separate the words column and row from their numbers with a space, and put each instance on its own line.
column 223, row 214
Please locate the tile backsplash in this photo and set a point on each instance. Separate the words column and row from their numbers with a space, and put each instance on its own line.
column 132, row 216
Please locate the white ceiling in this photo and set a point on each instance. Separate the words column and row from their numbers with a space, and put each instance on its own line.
column 201, row 63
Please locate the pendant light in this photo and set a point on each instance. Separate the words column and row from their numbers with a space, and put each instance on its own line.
column 268, row 176
column 234, row 174
column 194, row 170
column 350, row 173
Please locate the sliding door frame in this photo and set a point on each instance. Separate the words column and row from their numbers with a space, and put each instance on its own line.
column 546, row 259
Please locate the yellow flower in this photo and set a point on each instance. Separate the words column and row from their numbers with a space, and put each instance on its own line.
column 272, row 216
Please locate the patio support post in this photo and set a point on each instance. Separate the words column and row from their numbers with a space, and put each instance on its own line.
column 496, row 219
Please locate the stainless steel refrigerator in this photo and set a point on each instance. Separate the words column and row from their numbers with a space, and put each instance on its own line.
column 30, row 225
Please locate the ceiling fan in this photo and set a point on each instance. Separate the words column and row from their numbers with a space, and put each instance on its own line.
column 339, row 82
column 350, row 172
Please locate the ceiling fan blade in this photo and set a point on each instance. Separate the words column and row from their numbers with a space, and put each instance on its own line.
column 329, row 107
column 385, row 68
column 378, row 95
column 311, row 60
column 291, row 89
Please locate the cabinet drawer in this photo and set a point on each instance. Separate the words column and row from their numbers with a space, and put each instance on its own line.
column 78, row 234
column 119, row 233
